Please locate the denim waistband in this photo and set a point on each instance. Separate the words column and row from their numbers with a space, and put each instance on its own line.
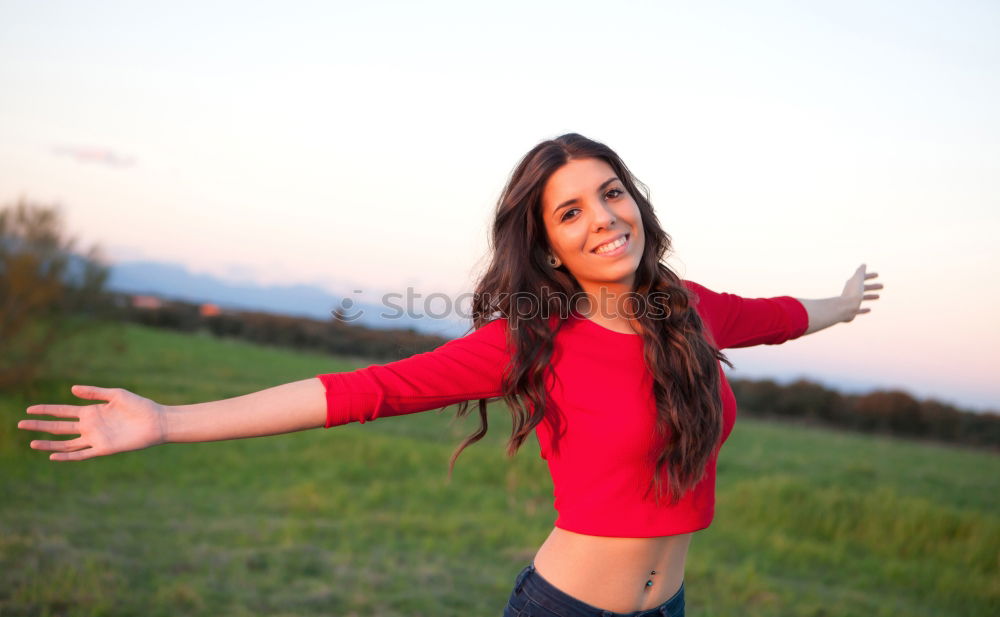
column 548, row 595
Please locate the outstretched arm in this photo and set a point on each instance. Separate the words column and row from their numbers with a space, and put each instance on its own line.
column 290, row 407
column 826, row 312
column 462, row 369
column 128, row 421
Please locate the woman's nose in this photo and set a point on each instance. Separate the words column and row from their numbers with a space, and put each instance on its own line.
column 603, row 217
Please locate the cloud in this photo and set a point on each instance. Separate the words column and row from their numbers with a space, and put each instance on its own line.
column 102, row 156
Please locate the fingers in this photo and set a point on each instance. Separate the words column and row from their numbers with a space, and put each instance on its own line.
column 94, row 393
column 80, row 455
column 50, row 426
column 874, row 286
column 68, row 445
column 73, row 411
column 60, row 411
column 870, row 297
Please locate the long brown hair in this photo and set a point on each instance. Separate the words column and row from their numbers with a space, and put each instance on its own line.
column 683, row 363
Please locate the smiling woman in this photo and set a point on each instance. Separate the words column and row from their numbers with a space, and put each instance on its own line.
column 598, row 236
column 630, row 406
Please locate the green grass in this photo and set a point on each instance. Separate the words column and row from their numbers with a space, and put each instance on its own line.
column 360, row 520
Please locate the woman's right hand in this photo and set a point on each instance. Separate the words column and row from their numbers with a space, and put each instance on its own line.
column 125, row 422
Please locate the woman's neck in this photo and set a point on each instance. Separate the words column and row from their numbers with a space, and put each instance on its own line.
column 608, row 306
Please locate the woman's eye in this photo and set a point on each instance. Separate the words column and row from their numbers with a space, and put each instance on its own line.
column 610, row 194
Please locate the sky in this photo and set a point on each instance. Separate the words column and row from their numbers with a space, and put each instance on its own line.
column 364, row 145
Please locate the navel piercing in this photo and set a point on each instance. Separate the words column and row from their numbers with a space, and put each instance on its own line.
column 649, row 582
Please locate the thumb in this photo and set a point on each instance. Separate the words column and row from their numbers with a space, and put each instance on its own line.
column 93, row 392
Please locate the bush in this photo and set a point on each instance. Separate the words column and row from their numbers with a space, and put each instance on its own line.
column 47, row 291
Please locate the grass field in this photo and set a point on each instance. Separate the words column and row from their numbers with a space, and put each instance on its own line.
column 359, row 520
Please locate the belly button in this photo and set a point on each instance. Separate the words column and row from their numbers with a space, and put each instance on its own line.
column 649, row 582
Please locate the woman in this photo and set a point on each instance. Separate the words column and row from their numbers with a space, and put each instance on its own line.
column 594, row 344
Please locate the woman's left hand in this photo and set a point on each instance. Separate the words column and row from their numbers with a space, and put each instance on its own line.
column 854, row 292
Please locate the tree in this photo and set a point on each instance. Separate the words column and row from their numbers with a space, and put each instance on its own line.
column 45, row 288
column 892, row 411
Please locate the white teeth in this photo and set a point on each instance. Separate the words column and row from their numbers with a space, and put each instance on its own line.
column 610, row 247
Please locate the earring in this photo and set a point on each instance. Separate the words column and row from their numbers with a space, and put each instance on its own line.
column 554, row 261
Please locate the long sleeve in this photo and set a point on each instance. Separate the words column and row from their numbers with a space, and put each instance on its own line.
column 743, row 322
column 466, row 368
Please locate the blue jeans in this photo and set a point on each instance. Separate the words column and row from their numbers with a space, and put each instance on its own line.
column 533, row 596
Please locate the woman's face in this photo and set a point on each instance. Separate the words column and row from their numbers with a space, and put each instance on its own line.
column 585, row 207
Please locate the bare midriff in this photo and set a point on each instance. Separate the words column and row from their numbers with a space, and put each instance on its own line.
column 612, row 573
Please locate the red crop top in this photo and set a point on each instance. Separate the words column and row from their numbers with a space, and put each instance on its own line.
column 599, row 427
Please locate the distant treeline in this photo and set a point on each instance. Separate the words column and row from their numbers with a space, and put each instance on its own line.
column 331, row 336
column 890, row 412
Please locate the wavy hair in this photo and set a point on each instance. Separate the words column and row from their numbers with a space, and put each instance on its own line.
column 682, row 361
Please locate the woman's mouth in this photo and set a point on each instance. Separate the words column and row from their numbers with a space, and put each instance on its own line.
column 613, row 249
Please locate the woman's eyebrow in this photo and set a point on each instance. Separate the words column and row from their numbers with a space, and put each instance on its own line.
column 570, row 202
